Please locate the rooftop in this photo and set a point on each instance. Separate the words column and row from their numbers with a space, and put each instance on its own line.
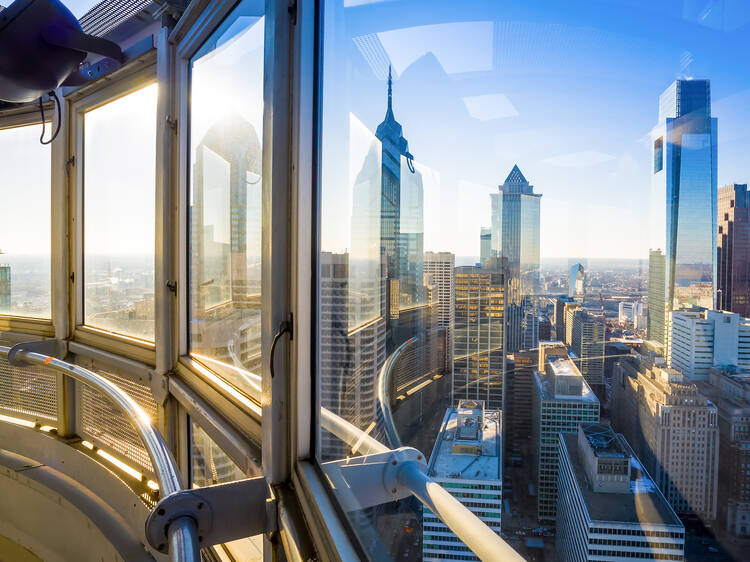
column 447, row 462
column 603, row 441
column 644, row 504
column 565, row 369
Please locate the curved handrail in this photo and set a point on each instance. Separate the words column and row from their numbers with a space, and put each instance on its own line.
column 183, row 533
column 384, row 384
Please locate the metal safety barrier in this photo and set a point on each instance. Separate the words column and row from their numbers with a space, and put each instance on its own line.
column 182, row 533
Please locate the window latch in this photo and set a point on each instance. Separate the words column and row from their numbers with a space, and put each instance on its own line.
column 285, row 327
column 172, row 286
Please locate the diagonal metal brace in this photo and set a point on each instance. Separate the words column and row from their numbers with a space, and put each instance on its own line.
column 53, row 348
column 369, row 480
column 222, row 513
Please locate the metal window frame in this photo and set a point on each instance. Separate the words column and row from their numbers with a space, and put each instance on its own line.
column 134, row 76
column 12, row 119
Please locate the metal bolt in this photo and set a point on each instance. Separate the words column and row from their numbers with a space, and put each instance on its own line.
column 161, row 511
column 393, row 491
column 394, row 463
column 419, row 457
column 200, row 505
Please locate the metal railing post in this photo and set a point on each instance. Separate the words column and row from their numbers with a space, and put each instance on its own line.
column 67, row 406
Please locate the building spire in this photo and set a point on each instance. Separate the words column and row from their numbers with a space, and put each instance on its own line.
column 390, row 90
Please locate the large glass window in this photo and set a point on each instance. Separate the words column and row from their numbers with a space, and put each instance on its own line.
column 226, row 130
column 24, row 223
column 118, row 214
column 514, row 205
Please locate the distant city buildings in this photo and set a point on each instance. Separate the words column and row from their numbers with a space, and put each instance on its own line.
column 562, row 305
column 518, row 386
column 683, row 204
column 562, row 400
column 485, row 245
column 4, row 288
column 700, row 340
column 467, row 461
column 729, row 390
column 576, row 283
column 733, row 250
column 479, row 351
column 608, row 507
column 439, row 270
column 587, row 343
column 515, row 239
column 630, row 312
column 674, row 430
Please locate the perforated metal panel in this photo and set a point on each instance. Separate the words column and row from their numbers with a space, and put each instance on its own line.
column 108, row 428
column 28, row 392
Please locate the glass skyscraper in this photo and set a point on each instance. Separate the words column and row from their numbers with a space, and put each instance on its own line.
column 683, row 206
column 515, row 239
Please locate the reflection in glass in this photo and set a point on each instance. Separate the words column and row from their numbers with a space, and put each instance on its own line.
column 225, row 198
column 119, row 177
column 24, row 223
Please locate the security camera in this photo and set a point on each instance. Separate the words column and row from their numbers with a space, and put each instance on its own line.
column 42, row 47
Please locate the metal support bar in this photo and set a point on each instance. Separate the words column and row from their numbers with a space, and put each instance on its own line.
column 53, row 348
column 221, row 513
column 369, row 480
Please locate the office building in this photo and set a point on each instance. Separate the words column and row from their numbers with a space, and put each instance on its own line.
column 519, row 376
column 673, row 428
column 401, row 226
column 4, row 287
column 562, row 305
column 729, row 390
column 700, row 340
column 545, row 329
column 587, row 343
column 733, row 250
column 485, row 244
column 478, row 348
column 683, row 204
column 630, row 311
column 352, row 360
column 439, row 269
column 515, row 238
column 576, row 283
column 562, row 400
column 608, row 507
column 467, row 461
column 570, row 314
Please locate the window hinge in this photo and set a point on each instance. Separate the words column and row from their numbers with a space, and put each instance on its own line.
column 172, row 286
column 73, row 277
column 172, row 123
column 70, row 162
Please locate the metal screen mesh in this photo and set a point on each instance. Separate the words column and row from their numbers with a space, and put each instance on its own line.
column 110, row 429
column 29, row 392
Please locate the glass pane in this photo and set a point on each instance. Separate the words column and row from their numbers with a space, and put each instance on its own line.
column 226, row 129
column 534, row 268
column 25, row 223
column 118, row 206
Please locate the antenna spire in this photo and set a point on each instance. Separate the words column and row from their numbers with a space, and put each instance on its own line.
column 390, row 89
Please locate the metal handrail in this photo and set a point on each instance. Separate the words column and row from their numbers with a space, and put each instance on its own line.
column 384, row 399
column 474, row 533
column 183, row 532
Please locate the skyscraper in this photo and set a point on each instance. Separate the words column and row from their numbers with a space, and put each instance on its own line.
column 439, row 269
column 588, row 345
column 576, row 280
column 733, row 250
column 401, row 223
column 562, row 304
column 479, row 351
column 515, row 238
column 682, row 265
column 485, row 244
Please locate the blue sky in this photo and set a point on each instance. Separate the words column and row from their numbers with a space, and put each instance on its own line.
column 567, row 90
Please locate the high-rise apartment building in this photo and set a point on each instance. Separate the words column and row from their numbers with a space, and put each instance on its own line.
column 562, row 400
column 562, row 304
column 439, row 269
column 351, row 356
column 608, row 507
column 733, row 249
column 587, row 343
column 729, row 389
column 485, row 244
column 479, row 350
column 515, row 239
column 674, row 430
column 467, row 461
column 683, row 204
column 700, row 340
column 576, row 283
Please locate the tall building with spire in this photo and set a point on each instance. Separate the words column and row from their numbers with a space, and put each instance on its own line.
column 682, row 261
column 515, row 239
column 401, row 230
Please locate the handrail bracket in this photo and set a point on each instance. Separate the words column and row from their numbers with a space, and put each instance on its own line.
column 52, row 348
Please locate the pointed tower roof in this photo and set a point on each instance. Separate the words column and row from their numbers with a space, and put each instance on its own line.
column 516, row 183
column 390, row 132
